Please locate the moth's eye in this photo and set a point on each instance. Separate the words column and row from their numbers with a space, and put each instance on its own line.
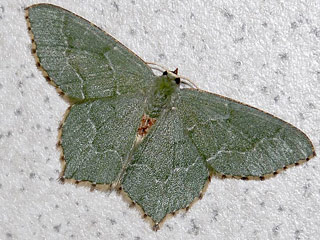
column 165, row 73
column 177, row 80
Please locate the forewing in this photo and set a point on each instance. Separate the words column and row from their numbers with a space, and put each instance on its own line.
column 81, row 59
column 97, row 137
column 166, row 172
column 239, row 140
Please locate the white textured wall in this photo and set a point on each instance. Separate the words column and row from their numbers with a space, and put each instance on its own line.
column 263, row 53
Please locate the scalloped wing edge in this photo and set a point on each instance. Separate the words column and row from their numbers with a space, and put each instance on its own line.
column 271, row 174
column 37, row 60
column 108, row 187
column 154, row 225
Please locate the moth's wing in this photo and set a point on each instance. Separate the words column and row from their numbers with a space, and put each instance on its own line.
column 81, row 59
column 166, row 172
column 97, row 137
column 239, row 140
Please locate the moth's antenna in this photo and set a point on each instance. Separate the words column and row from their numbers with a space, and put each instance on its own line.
column 188, row 82
column 158, row 65
column 163, row 69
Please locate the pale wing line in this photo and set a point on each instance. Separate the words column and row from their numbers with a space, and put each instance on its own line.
column 117, row 46
column 253, row 149
column 67, row 59
column 234, row 129
column 256, row 146
column 185, row 169
column 106, row 56
column 83, row 159
column 65, row 47
column 145, row 166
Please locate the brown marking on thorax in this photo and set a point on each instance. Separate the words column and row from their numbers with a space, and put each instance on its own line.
column 145, row 125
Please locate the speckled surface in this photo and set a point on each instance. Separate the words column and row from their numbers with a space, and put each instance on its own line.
column 265, row 54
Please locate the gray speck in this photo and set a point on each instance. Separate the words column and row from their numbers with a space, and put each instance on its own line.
column 264, row 89
column 32, row 175
column 86, row 208
column 283, row 56
column 112, row 221
column 262, row 204
column 145, row 30
column 57, row 228
column 137, row 238
column 9, row 133
column 306, row 190
column 275, row 230
column 297, row 234
column 1, row 86
column 20, row 84
column 228, row 15
column 133, row 2
column 1, row 11
column 9, row 235
column 294, row 25
column 192, row 16
column 162, row 56
column 243, row 27
column 46, row 99
column 115, row 5
column 238, row 40
column 214, row 215
column 276, row 98
column 264, row 24
column 18, row 112
column 301, row 116
column 194, row 228
column 316, row 32
column 169, row 227
column 280, row 72
column 311, row 106
column 38, row 126
column 183, row 215
column 235, row 77
column 0, row 185
column 280, row 209
column 237, row 64
column 132, row 32
column 56, row 206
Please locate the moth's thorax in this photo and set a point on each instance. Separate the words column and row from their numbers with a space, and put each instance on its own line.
column 161, row 95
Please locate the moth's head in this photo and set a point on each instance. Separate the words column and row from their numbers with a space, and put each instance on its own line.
column 172, row 76
column 167, row 83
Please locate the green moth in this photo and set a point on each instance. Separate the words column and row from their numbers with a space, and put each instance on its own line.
column 143, row 135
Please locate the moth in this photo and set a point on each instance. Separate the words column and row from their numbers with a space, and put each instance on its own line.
column 156, row 142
